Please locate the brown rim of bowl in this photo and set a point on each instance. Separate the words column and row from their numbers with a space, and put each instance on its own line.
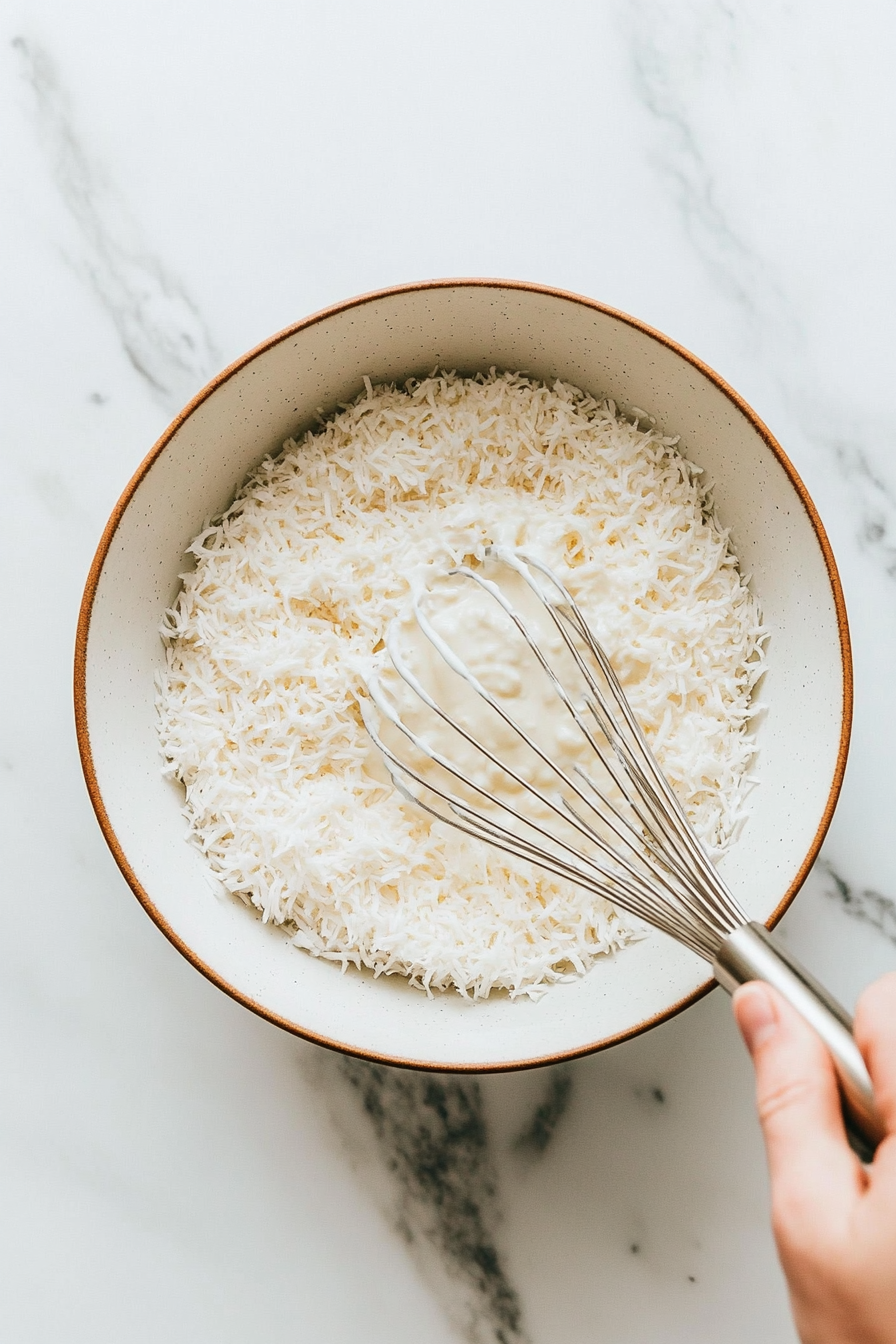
column 83, row 632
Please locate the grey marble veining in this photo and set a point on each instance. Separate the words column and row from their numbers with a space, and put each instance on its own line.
column 181, row 181
column 876, row 529
column 697, row 71
column 877, row 911
column 669, row 51
column 433, row 1139
column 538, row 1131
column 159, row 325
column 428, row 1147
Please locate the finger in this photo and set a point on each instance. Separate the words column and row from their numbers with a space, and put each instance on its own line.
column 875, row 1033
column 813, row 1172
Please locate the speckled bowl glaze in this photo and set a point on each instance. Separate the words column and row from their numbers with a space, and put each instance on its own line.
column 194, row 470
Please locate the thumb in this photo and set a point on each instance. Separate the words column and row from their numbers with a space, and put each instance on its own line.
column 876, row 1036
column 811, row 1167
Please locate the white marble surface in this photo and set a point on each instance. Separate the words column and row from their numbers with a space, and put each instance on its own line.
column 180, row 180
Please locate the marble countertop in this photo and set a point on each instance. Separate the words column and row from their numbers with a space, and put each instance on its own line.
column 183, row 179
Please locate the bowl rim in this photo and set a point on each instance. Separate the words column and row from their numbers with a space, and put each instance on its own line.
column 90, row 590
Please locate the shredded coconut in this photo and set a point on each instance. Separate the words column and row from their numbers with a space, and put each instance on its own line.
column 293, row 589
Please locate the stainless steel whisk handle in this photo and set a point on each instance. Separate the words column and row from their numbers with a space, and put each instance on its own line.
column 751, row 953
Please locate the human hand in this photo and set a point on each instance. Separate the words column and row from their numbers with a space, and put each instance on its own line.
column 834, row 1220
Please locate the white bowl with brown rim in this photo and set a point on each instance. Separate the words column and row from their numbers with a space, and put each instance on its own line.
column 195, row 469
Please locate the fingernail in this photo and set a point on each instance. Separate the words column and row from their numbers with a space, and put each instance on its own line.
column 756, row 1016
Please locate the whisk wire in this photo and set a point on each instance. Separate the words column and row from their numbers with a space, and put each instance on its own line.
column 643, row 854
column 628, row 835
column 600, row 880
column 667, row 805
column 633, row 754
column 628, row 887
column 458, row 664
column 461, row 807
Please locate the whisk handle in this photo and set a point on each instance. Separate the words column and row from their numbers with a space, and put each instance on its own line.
column 751, row 953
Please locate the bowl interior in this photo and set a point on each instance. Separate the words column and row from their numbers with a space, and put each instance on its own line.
column 195, row 470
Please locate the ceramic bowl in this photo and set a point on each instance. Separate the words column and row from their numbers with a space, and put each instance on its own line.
column 194, row 470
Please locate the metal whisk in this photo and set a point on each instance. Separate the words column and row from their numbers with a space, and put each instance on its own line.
column 612, row 824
